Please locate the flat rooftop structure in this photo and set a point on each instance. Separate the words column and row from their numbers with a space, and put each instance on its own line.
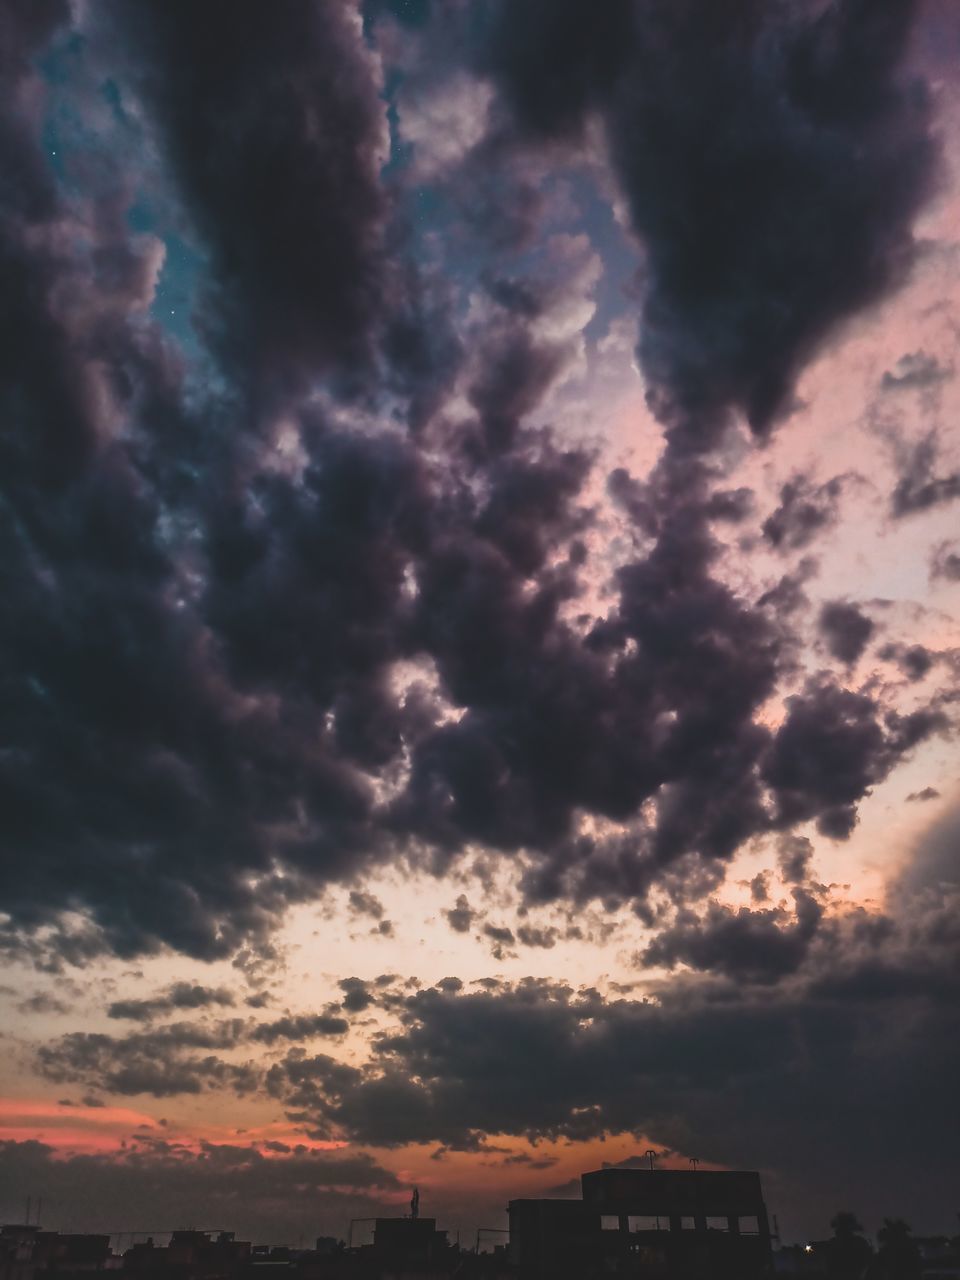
column 408, row 1242
column 674, row 1223
column 405, row 1233
column 678, row 1192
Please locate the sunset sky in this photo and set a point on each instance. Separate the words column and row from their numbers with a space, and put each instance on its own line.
column 480, row 658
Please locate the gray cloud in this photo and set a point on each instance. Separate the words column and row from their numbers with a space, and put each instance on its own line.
column 845, row 630
column 915, row 371
column 945, row 563
column 179, row 995
column 266, row 1196
column 919, row 486
column 746, row 944
column 805, row 511
column 825, row 999
column 823, row 154
column 461, row 916
column 366, row 904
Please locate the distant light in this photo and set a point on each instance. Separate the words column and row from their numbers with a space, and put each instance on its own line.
column 808, row 1248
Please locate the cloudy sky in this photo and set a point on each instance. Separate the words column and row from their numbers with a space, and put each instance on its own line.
column 480, row 652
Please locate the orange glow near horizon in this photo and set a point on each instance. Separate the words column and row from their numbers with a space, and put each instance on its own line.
column 75, row 1129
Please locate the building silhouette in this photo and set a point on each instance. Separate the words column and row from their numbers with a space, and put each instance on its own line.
column 664, row 1224
column 673, row 1223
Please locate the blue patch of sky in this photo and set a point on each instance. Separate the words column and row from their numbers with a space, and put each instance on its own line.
column 433, row 213
column 410, row 13
column 616, row 290
column 90, row 136
column 180, row 276
column 63, row 134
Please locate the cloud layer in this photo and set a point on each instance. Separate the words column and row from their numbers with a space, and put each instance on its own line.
column 411, row 432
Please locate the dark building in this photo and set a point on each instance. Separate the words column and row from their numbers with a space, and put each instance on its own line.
column 409, row 1246
column 26, row 1250
column 189, row 1255
column 673, row 1223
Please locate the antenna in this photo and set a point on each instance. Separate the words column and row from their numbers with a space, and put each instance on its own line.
column 491, row 1231
column 29, row 1202
column 650, row 1154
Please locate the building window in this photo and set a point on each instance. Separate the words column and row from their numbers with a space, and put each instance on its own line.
column 647, row 1222
column 609, row 1222
column 688, row 1224
column 750, row 1225
column 717, row 1223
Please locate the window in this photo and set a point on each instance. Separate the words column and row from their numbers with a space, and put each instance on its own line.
column 648, row 1222
column 609, row 1222
column 717, row 1223
column 750, row 1225
column 688, row 1224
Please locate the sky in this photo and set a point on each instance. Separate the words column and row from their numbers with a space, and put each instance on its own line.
column 481, row 638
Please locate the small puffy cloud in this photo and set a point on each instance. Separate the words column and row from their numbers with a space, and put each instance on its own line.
column 461, row 916
column 845, row 629
column 444, row 122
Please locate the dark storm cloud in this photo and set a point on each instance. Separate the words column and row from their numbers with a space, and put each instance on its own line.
column 832, row 747
column 47, row 397
column 805, row 511
column 577, row 1034
column 118, row 705
column 820, row 1012
column 772, row 160
column 845, row 630
column 747, row 945
column 204, row 716
column 95, row 650
column 553, row 724
column 266, row 1196
column 248, row 663
column 274, row 132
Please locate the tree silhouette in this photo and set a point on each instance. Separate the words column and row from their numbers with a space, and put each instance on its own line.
column 847, row 1253
column 898, row 1257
